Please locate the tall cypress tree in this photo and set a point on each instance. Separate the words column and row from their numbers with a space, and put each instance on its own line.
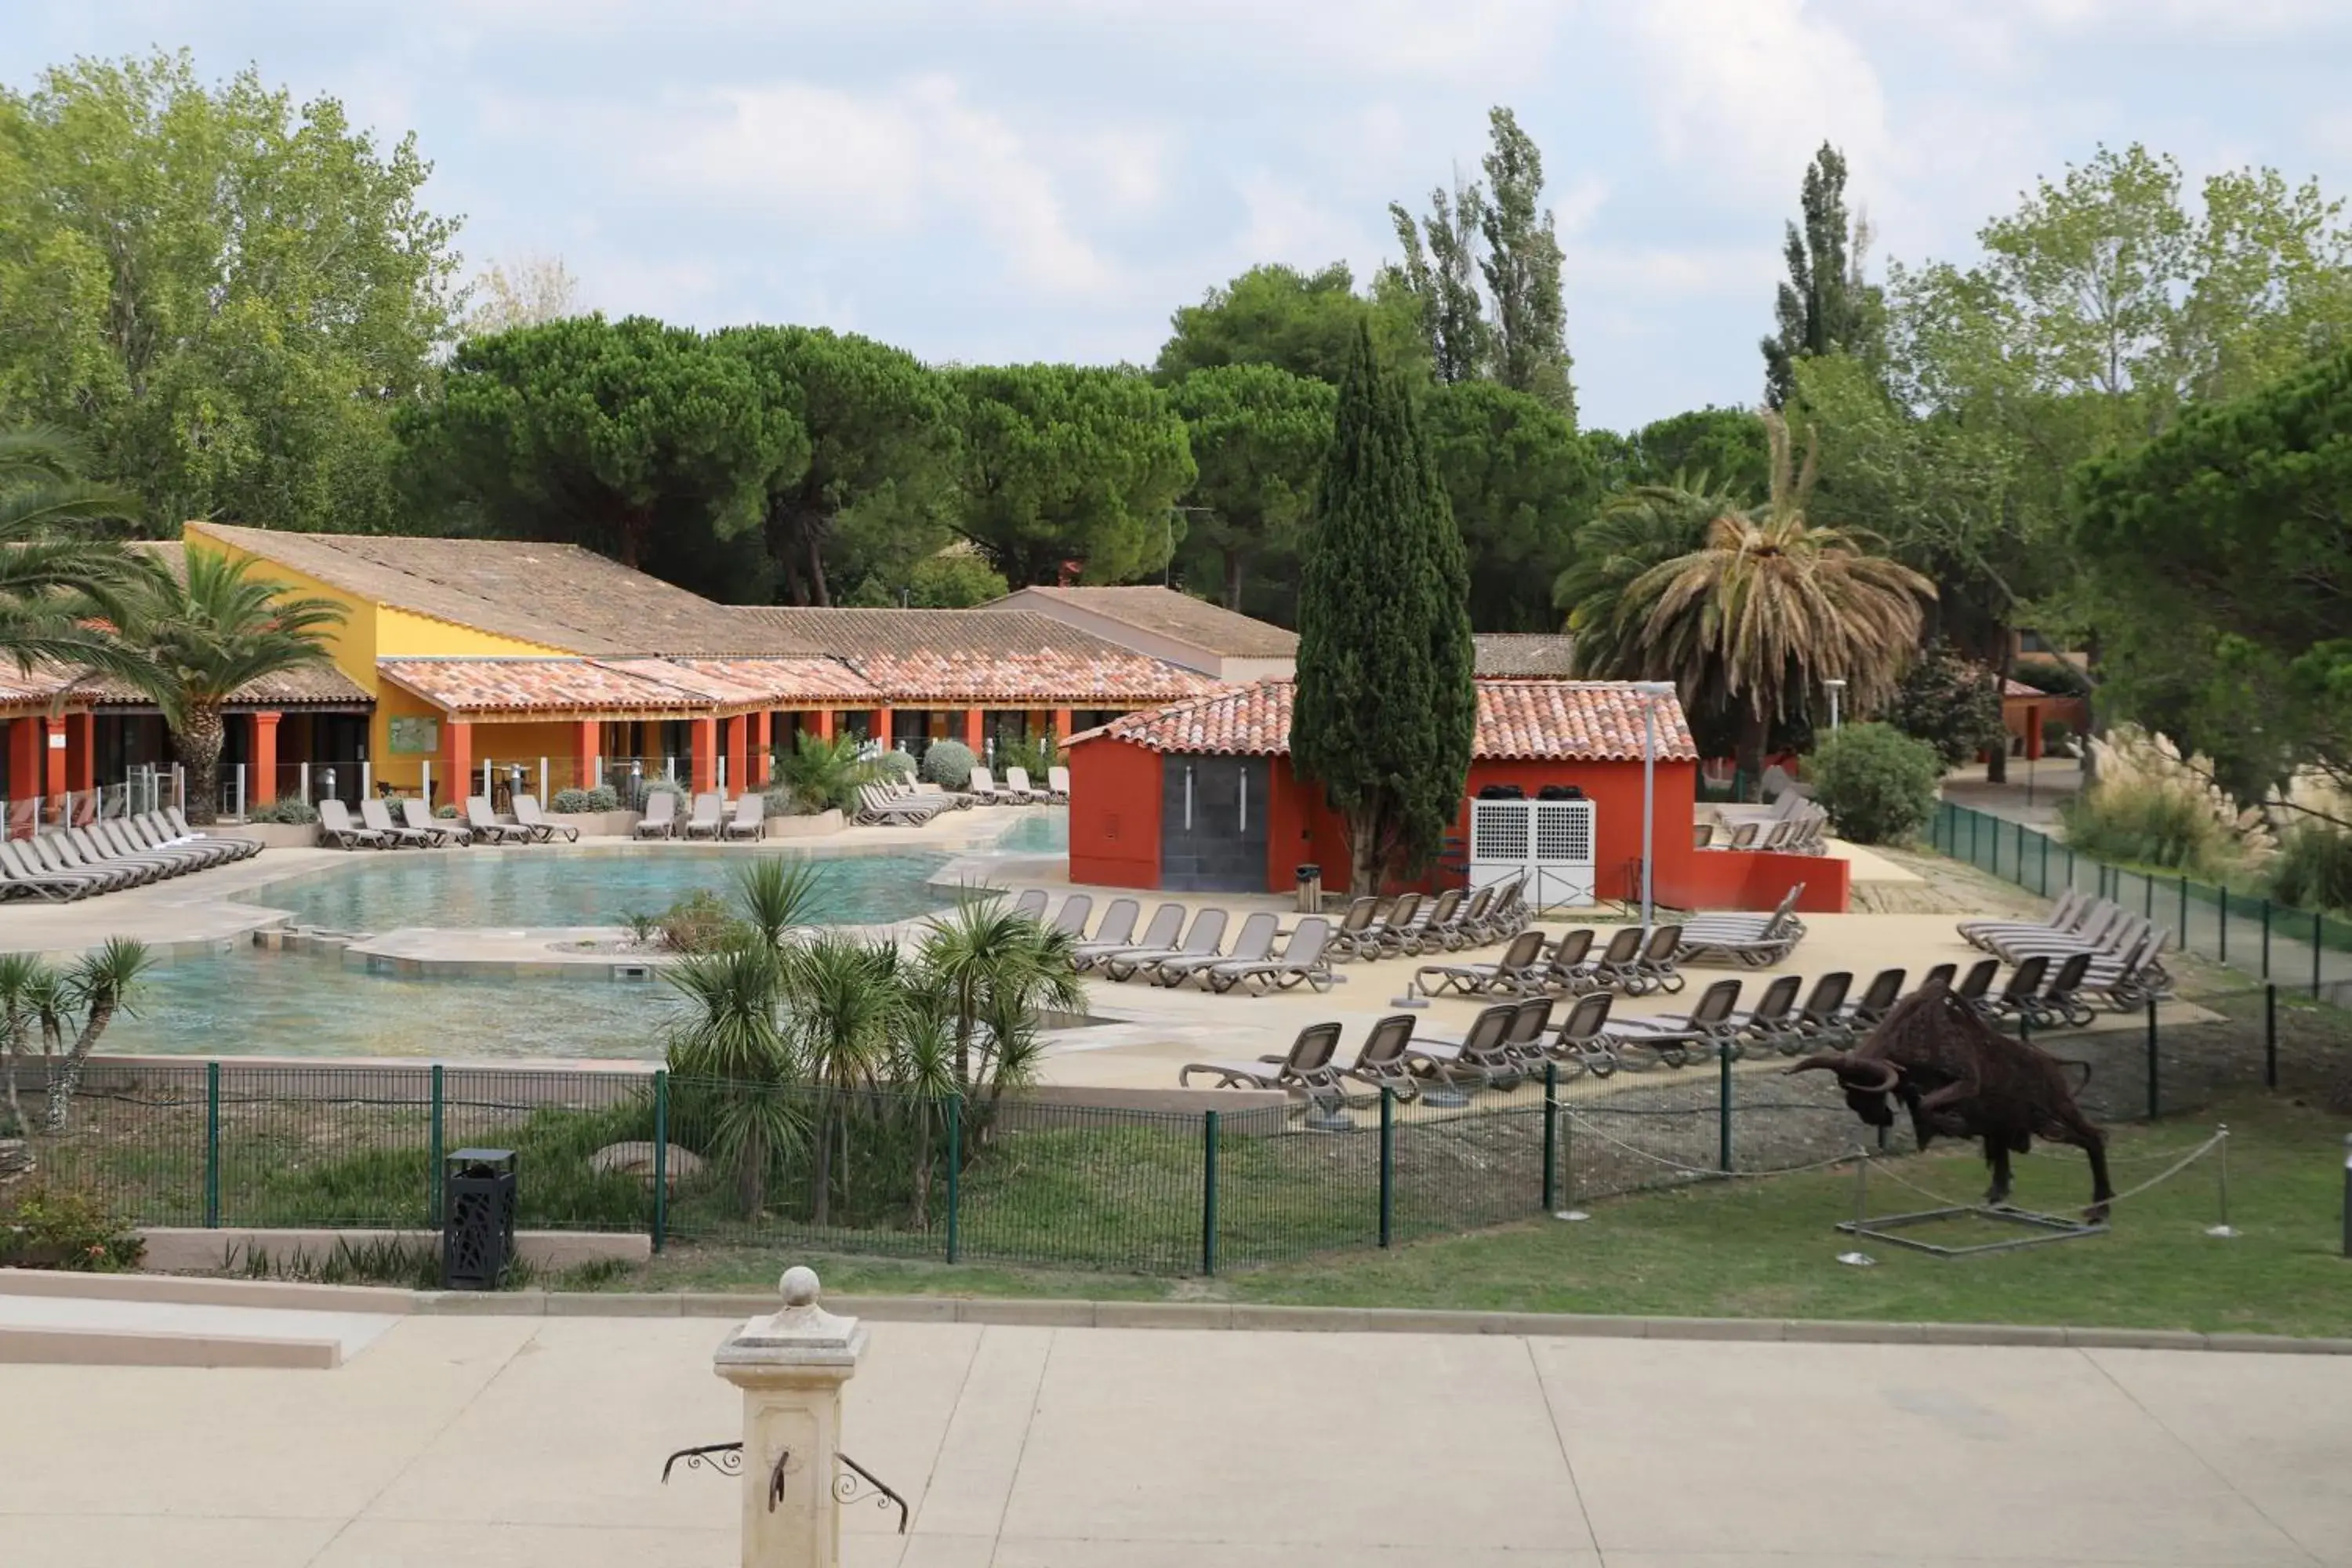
column 1386, row 706
column 1824, row 307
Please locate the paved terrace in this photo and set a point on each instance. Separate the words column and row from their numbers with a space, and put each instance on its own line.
column 513, row 1442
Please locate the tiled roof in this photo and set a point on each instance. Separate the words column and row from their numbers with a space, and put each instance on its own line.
column 857, row 634
column 1049, row 677
column 558, row 597
column 521, row 685
column 1173, row 615
column 1537, row 720
column 799, row 678
column 1525, row 653
column 2012, row 686
column 314, row 686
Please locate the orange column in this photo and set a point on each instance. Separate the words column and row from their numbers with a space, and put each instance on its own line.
column 738, row 756
column 1061, row 723
column 2033, row 733
column 24, row 763
column 703, row 772
column 81, row 751
column 974, row 731
column 587, row 745
column 762, row 745
column 825, row 724
column 881, row 736
column 53, row 764
column 261, row 776
column 456, row 761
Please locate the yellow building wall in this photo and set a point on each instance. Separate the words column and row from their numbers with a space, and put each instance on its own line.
column 353, row 645
column 405, row 633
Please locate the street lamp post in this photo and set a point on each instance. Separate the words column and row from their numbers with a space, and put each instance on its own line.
column 1650, row 692
column 1836, row 690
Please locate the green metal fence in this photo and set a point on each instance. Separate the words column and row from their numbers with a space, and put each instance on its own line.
column 1161, row 1193
column 2297, row 949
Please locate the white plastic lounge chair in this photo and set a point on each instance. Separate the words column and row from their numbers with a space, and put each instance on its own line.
column 20, row 877
column 659, row 819
column 1160, row 937
column 1058, row 785
column 982, row 787
column 154, row 830
column 1302, row 960
column 337, row 828
column 1071, row 918
column 710, row 810
column 1030, row 903
column 174, row 824
column 1201, row 942
column 1017, row 785
column 1116, row 931
column 750, row 811
column 1252, row 943
column 877, row 808
column 485, row 826
column 529, row 818
column 377, row 817
column 1308, row 1068
column 415, row 814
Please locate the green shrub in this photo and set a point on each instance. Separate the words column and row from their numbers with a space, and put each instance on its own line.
column 1951, row 704
column 2057, row 676
column 604, row 797
column 47, row 1229
column 817, row 775
column 291, row 809
column 949, row 765
column 896, row 766
column 2313, row 868
column 701, row 921
column 777, row 801
column 1034, row 756
column 445, row 810
column 1877, row 783
column 2141, row 822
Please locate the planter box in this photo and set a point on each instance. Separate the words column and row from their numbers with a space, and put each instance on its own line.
column 817, row 827
column 597, row 824
column 270, row 835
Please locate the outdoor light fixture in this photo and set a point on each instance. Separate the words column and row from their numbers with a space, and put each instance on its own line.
column 1837, row 691
column 1650, row 691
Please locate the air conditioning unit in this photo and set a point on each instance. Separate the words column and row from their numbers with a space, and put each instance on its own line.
column 1550, row 843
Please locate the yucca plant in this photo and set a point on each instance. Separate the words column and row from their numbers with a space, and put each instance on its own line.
column 777, row 896
column 731, row 1036
column 84, row 998
column 998, row 971
column 819, row 774
column 840, row 997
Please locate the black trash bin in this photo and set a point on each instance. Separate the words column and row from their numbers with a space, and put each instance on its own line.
column 477, row 1225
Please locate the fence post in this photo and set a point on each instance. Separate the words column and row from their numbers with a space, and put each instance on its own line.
column 2266, row 939
column 2222, row 895
column 955, row 1178
column 1388, row 1165
column 433, row 1150
column 2270, row 1037
column 2316, row 937
column 1208, row 1192
column 2017, row 873
column 1973, row 820
column 2185, row 945
column 1723, row 1107
column 302, row 782
column 1551, row 1137
column 2347, row 1195
column 212, row 1146
column 2070, row 864
column 2044, row 889
column 2155, row 1089
column 661, row 1158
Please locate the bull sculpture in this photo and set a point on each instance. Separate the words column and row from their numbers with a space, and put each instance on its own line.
column 1960, row 1078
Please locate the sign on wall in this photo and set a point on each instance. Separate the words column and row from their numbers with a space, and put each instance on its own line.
column 416, row 737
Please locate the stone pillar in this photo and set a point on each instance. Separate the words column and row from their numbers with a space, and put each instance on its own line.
column 763, row 744
column 791, row 1368
column 975, row 730
column 738, row 756
column 703, row 773
column 261, row 776
column 458, row 763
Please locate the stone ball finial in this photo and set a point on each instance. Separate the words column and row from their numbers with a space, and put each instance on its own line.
column 799, row 1286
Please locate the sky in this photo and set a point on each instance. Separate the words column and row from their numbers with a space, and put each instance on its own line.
column 1000, row 180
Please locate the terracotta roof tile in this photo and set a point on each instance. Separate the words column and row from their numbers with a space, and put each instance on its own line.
column 555, row 685
column 1538, row 721
column 1526, row 653
column 1186, row 619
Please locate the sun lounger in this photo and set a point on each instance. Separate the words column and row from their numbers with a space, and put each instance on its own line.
column 20, row 877
column 377, row 818
column 981, row 786
column 337, row 828
column 709, row 811
column 1250, row 943
column 1775, row 1010
column 1433, row 929
column 1520, row 969
column 56, row 853
column 1208, row 931
column 1614, row 963
column 529, row 818
column 1580, row 1040
column 750, row 816
column 1569, row 965
column 1707, row 1025
column 484, row 824
column 151, row 832
column 1158, row 938
column 1030, row 903
column 1815, row 1021
column 1390, row 937
column 1480, row 1054
column 174, row 824
column 1751, row 942
column 1071, row 918
column 878, row 808
column 1302, row 960
column 1307, row 1070
column 1116, row 931
column 1653, row 968
column 1017, row 784
column 1380, row 1064
column 1058, row 785
column 90, row 847
column 659, row 819
column 1877, row 999
column 1507, row 913
column 2024, row 985
column 2063, row 917
column 1351, row 938
column 2136, row 979
column 2111, row 937
column 415, row 814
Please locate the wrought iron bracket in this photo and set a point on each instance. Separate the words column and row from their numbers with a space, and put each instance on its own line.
column 724, row 1457
column 857, row 1483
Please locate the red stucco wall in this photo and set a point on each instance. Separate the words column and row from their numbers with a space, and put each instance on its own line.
column 1750, row 880
column 1114, row 815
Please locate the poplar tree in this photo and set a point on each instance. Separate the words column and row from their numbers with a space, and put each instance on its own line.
column 1522, row 270
column 1824, row 307
column 1385, row 708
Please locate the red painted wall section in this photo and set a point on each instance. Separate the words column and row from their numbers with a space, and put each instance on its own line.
column 1114, row 815
column 1750, row 880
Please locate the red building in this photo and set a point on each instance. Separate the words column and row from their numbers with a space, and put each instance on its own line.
column 1200, row 796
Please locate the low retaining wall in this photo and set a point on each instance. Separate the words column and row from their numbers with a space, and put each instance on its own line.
column 172, row 1249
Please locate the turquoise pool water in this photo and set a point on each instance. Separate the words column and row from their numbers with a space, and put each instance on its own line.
column 1037, row 835
column 256, row 1002
column 391, row 891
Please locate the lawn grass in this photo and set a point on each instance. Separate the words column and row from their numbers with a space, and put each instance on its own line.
column 1768, row 1249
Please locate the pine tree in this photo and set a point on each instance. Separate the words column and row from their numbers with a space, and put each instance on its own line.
column 1522, row 270
column 1385, row 708
column 1824, row 307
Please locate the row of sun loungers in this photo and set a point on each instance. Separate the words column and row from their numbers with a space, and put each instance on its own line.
column 1511, row 1042
column 1803, row 829
column 418, row 829
column 2118, row 954
column 1161, row 957
column 711, row 817
column 1016, row 789
column 111, row 853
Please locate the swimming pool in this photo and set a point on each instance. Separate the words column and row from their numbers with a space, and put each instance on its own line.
column 1037, row 835
column 391, row 891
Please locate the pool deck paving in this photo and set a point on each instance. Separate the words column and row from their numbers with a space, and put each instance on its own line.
column 533, row 1442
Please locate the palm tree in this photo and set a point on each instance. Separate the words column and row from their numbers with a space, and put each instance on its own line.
column 201, row 636
column 97, row 986
column 777, row 896
column 1770, row 607
column 53, row 565
column 731, row 1052
column 999, row 971
column 821, row 773
column 841, row 1003
column 1635, row 531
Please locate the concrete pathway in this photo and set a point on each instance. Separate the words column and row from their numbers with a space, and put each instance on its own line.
column 537, row 1443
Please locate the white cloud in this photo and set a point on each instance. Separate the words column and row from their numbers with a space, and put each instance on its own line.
column 898, row 160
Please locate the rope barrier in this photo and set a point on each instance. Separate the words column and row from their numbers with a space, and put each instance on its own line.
column 1709, row 1171
column 2160, row 1177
